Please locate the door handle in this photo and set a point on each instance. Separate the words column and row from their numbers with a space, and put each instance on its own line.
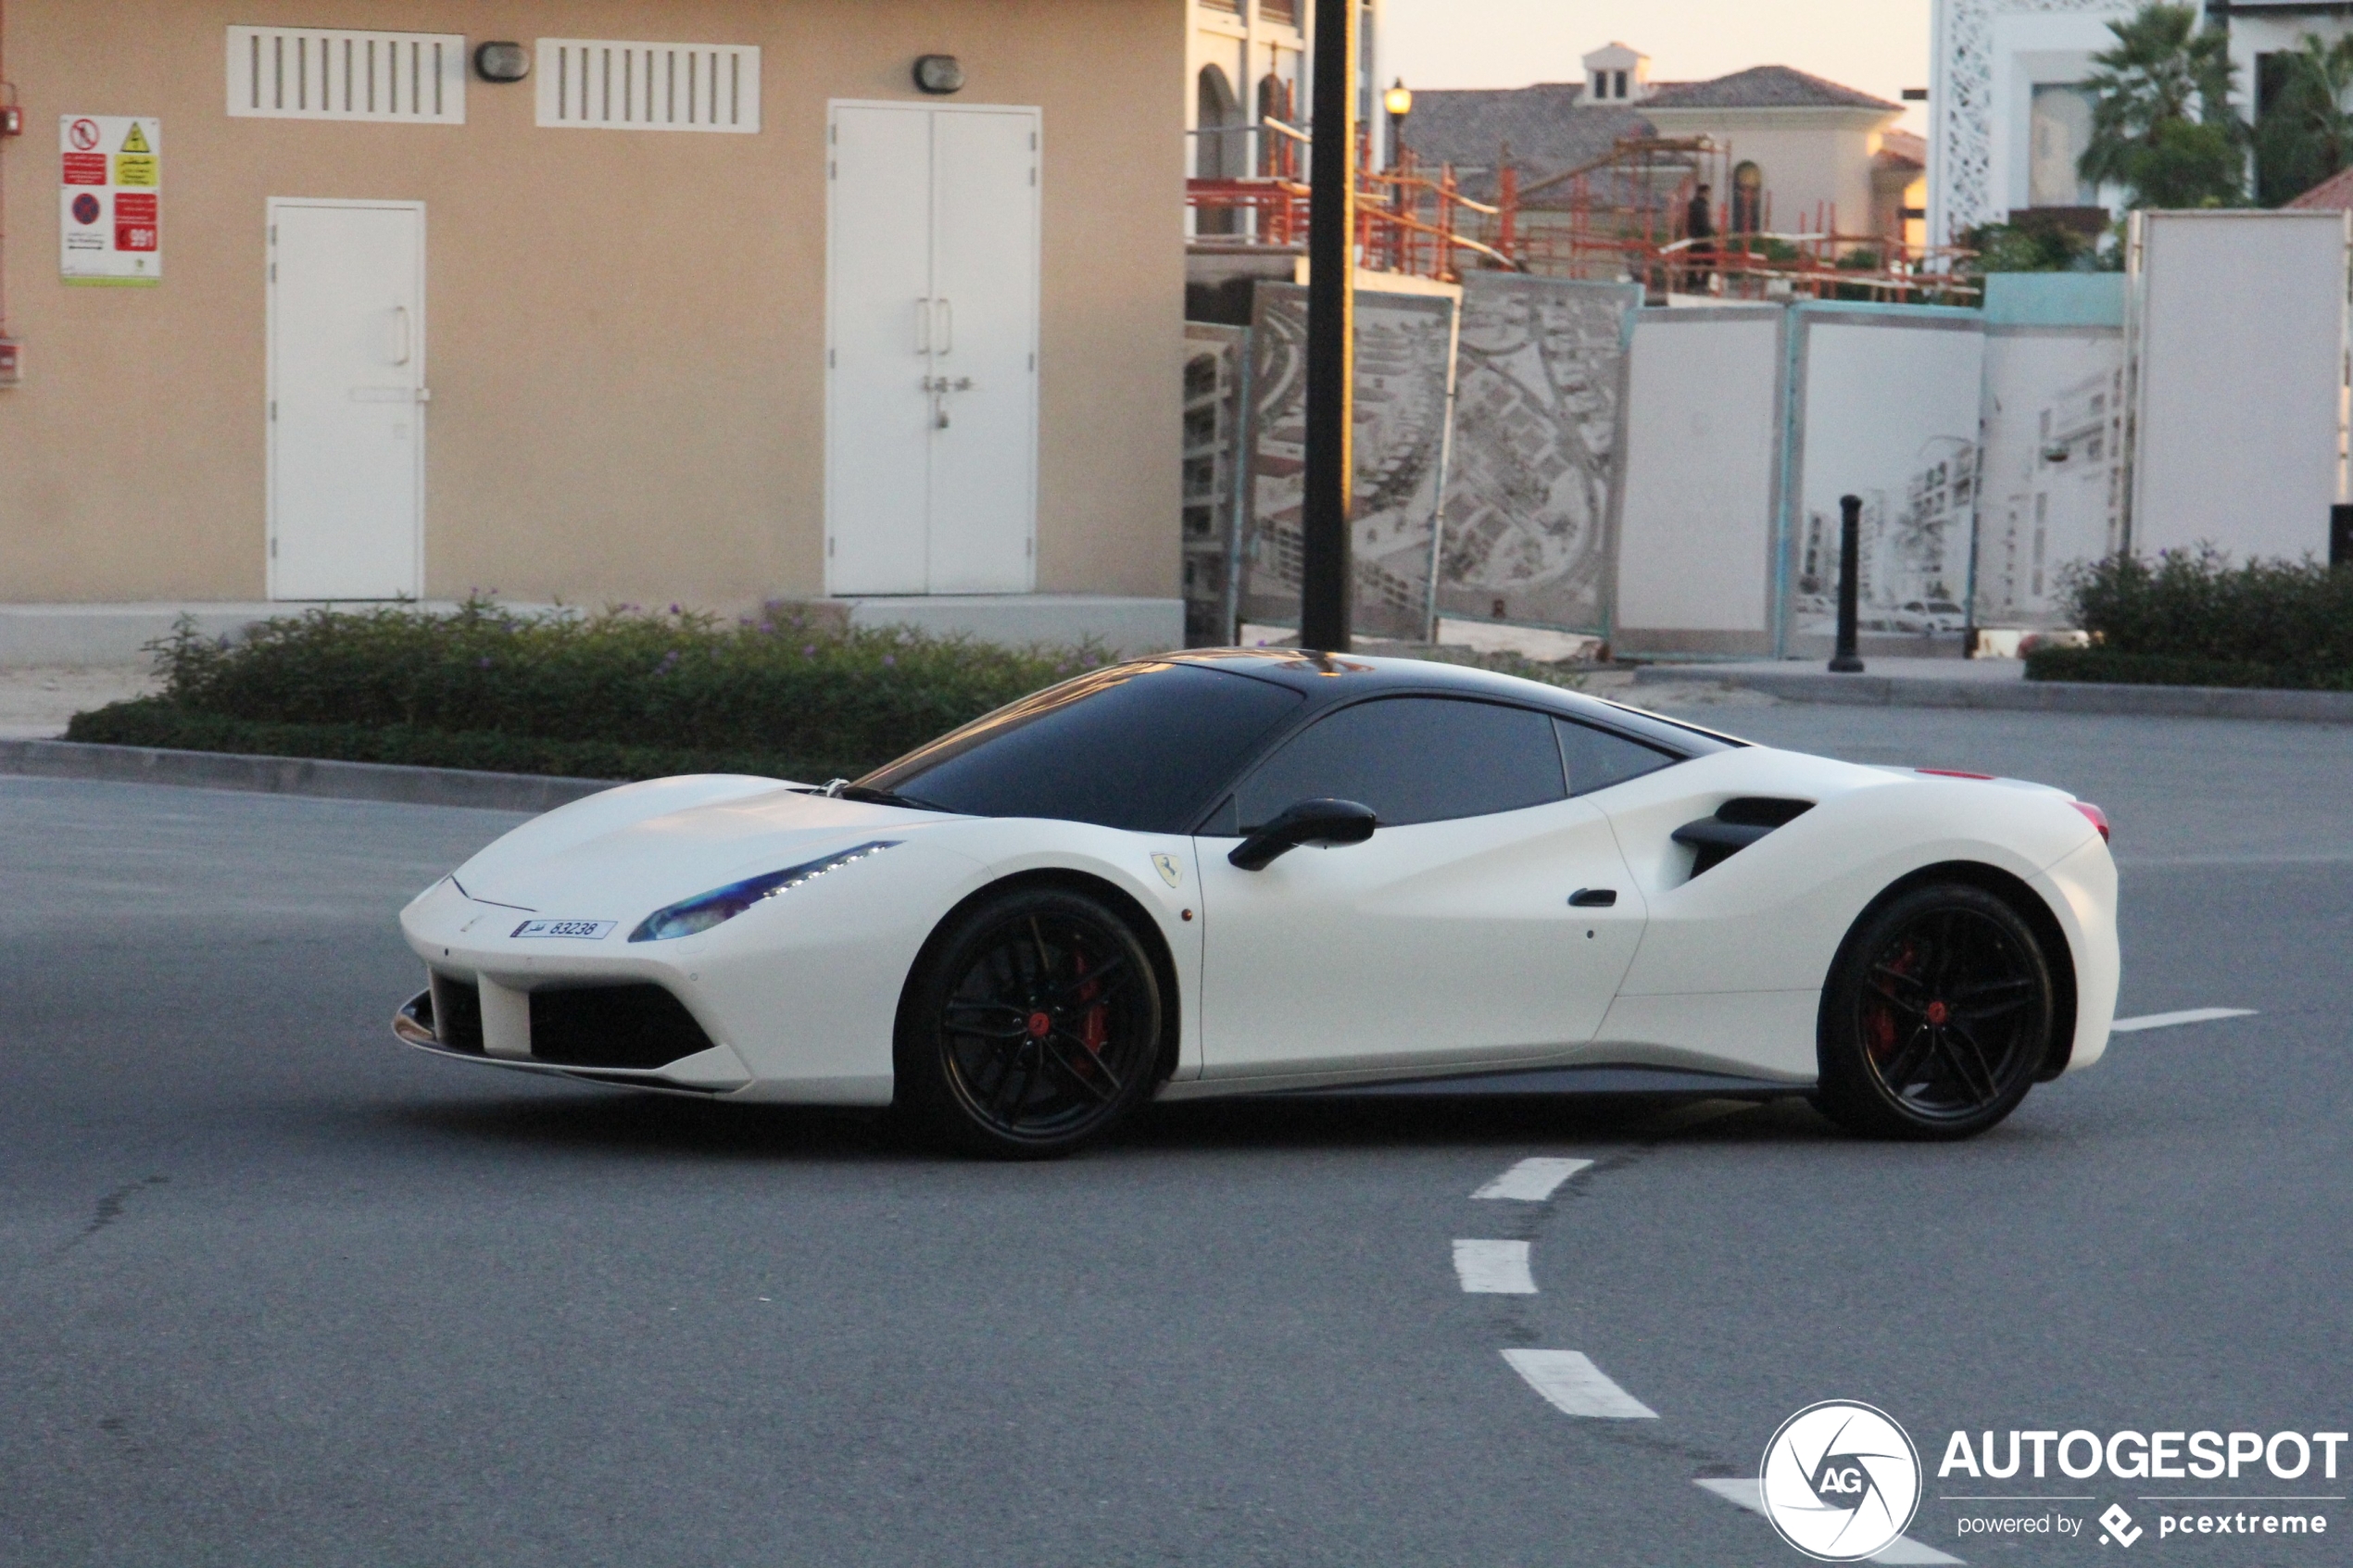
column 402, row 357
column 946, row 326
column 923, row 326
column 1594, row 898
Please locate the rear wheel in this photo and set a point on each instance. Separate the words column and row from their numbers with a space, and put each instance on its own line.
column 1031, row 1025
column 1937, row 1014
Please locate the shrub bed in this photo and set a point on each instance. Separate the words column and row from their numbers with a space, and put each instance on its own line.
column 619, row 694
column 2190, row 618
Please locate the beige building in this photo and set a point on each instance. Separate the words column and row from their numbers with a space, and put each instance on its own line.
column 1805, row 154
column 1809, row 148
column 715, row 304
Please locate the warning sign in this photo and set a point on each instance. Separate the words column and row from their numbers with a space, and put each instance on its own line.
column 110, row 199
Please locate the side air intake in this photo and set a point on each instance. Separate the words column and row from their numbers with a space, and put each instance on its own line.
column 1737, row 824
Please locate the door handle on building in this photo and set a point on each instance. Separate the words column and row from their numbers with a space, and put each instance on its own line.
column 947, row 331
column 406, row 345
column 923, row 326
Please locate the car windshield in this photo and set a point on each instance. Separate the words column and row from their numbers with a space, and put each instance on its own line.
column 1142, row 747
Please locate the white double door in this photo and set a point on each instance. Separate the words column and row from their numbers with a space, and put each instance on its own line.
column 931, row 405
column 347, row 416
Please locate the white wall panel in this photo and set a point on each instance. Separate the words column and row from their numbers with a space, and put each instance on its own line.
column 1702, row 444
column 2239, row 350
column 1887, row 402
column 2051, row 480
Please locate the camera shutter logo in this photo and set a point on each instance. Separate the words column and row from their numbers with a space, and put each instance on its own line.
column 1840, row 1481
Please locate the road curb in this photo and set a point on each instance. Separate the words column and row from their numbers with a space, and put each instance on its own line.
column 2037, row 697
column 293, row 775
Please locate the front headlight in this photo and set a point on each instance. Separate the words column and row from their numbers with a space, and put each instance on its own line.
column 720, row 905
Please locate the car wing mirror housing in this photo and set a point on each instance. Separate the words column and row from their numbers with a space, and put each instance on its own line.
column 1322, row 823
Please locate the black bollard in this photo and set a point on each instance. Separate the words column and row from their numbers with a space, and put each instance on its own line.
column 1850, row 546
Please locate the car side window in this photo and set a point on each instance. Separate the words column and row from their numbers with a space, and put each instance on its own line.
column 1412, row 760
column 1596, row 758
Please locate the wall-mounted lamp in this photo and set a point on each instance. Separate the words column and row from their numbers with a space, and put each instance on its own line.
column 502, row 62
column 940, row 73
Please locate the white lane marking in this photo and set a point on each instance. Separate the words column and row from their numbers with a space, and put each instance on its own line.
column 1574, row 1386
column 2167, row 1020
column 1744, row 1490
column 1493, row 1268
column 1531, row 1181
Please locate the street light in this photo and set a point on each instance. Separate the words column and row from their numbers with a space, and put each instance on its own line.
column 1399, row 102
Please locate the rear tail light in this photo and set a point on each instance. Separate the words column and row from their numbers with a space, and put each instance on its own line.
column 2093, row 815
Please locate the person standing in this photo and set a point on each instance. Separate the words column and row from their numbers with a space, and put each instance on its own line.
column 1699, row 228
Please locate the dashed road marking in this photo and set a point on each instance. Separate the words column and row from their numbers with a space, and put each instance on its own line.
column 2168, row 1020
column 1572, row 1385
column 1744, row 1490
column 1532, row 1181
column 1493, row 1268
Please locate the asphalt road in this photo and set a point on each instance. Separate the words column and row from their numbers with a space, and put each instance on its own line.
column 276, row 1291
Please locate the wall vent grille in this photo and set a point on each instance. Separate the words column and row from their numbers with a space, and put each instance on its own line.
column 323, row 73
column 599, row 83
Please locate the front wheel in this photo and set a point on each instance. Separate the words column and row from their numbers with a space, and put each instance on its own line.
column 1937, row 1015
column 1031, row 1024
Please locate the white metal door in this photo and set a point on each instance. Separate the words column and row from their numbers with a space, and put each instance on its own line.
column 347, row 400
column 878, row 343
column 1437, row 945
column 931, row 349
column 984, row 276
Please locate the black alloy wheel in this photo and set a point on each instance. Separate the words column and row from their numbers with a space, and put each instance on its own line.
column 1031, row 1025
column 1938, row 1014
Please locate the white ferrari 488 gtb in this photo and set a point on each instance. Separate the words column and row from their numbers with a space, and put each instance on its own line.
column 1228, row 872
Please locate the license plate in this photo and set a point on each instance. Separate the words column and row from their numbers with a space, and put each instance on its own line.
column 585, row 930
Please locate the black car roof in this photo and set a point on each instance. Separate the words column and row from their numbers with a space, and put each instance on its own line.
column 1326, row 678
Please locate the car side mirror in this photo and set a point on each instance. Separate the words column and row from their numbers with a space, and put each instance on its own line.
column 1303, row 821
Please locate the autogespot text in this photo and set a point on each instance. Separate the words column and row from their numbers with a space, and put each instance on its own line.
column 2155, row 1456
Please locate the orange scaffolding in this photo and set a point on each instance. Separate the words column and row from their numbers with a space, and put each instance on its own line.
column 1622, row 216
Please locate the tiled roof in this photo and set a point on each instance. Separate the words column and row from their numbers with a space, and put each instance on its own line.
column 1549, row 128
column 2331, row 195
column 1901, row 149
column 1766, row 87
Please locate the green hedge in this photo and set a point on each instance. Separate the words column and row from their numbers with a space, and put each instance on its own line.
column 2171, row 670
column 2190, row 618
column 618, row 695
column 157, row 723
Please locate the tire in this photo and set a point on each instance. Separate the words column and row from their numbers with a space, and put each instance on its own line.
column 1937, row 1016
column 1030, row 1025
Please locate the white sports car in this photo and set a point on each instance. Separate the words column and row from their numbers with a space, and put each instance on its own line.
column 1226, row 871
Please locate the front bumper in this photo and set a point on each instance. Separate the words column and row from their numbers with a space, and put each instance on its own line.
column 603, row 1034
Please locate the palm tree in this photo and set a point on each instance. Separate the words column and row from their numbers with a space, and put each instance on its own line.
column 2161, row 120
column 2306, row 134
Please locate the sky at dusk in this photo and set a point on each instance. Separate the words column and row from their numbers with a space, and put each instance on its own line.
column 1878, row 46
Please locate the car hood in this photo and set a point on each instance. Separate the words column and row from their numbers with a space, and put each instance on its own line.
column 618, row 858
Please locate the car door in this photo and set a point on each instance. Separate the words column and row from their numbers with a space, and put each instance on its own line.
column 1448, row 938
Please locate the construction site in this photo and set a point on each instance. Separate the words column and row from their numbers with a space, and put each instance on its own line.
column 1624, row 216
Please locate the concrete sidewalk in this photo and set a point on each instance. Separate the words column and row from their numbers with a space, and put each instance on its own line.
column 1992, row 684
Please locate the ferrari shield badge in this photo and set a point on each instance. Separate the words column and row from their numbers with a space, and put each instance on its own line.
column 1166, row 866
